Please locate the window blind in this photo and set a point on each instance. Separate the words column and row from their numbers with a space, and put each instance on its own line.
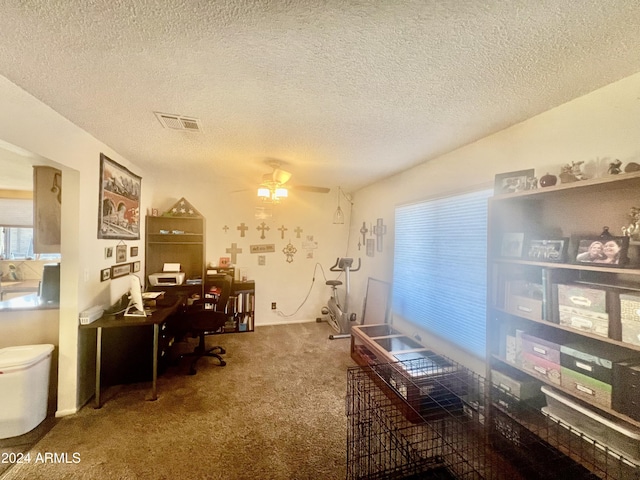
column 440, row 264
column 16, row 212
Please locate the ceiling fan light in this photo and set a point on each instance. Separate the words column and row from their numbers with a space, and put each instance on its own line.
column 282, row 192
column 264, row 192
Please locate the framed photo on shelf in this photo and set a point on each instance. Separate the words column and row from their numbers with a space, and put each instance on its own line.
column 548, row 250
column 120, row 270
column 136, row 266
column 512, row 182
column 601, row 251
column 512, row 245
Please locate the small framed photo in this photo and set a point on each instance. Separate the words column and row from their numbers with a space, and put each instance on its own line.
column 512, row 182
column 224, row 262
column 121, row 253
column 133, row 251
column 371, row 244
column 601, row 251
column 105, row 274
column 136, row 266
column 108, row 252
column 120, row 270
column 548, row 250
column 512, row 245
column 154, row 212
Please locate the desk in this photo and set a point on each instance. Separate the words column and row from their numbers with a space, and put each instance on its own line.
column 159, row 316
column 24, row 286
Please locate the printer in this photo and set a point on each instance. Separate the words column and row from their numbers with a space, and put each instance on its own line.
column 170, row 276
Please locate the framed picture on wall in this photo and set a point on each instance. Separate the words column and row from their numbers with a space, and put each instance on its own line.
column 119, row 202
column 371, row 245
column 120, row 270
column 121, row 253
column 105, row 274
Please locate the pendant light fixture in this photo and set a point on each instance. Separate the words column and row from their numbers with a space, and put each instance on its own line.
column 338, row 215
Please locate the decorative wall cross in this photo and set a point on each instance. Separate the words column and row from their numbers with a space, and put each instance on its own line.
column 289, row 251
column 225, row 228
column 363, row 231
column 234, row 251
column 243, row 228
column 282, row 230
column 379, row 230
column 298, row 231
column 263, row 226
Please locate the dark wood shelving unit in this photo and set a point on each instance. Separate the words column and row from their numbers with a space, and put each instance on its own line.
column 174, row 239
column 566, row 211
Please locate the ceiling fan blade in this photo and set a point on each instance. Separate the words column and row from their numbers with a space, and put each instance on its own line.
column 310, row 188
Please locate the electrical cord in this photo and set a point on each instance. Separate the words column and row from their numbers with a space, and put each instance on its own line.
column 313, row 281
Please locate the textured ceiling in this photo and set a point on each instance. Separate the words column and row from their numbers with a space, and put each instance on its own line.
column 344, row 92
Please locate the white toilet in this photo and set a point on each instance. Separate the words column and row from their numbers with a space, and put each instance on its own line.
column 24, row 388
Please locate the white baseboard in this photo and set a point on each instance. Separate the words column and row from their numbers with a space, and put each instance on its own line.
column 66, row 413
column 284, row 322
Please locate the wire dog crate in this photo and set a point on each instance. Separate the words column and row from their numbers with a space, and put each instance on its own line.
column 428, row 418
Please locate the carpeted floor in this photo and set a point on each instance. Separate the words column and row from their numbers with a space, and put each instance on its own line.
column 276, row 411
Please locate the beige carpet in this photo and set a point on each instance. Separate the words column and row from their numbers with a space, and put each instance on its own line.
column 276, row 411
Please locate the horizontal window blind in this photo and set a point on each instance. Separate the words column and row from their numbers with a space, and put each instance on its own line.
column 16, row 212
column 440, row 264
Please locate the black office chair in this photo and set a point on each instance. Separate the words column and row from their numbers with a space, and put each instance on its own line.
column 206, row 317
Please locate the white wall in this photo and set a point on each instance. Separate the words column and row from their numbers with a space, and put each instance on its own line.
column 29, row 127
column 595, row 128
column 286, row 283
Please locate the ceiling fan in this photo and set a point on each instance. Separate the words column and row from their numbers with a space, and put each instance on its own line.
column 273, row 186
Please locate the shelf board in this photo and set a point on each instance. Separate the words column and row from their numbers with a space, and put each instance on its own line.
column 599, row 338
column 174, row 243
column 568, row 266
column 164, row 218
column 186, row 234
column 601, row 184
column 555, row 386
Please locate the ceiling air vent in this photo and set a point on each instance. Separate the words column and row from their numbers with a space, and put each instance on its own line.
column 179, row 122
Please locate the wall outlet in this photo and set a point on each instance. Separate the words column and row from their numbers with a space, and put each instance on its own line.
column 273, row 305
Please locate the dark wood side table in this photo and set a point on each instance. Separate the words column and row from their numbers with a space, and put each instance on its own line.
column 157, row 318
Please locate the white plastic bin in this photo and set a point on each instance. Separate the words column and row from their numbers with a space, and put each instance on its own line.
column 24, row 388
